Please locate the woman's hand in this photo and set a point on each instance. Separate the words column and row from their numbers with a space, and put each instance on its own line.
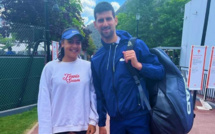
column 91, row 129
column 102, row 130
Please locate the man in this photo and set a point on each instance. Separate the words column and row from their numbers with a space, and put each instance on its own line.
column 10, row 52
column 117, row 92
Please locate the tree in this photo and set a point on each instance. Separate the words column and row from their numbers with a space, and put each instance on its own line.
column 148, row 19
column 31, row 13
column 160, row 23
column 171, row 22
column 6, row 42
column 125, row 21
column 91, row 49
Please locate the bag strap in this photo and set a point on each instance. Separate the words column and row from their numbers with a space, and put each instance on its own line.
column 130, row 46
column 136, row 76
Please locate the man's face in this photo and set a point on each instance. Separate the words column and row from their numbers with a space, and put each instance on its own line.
column 106, row 24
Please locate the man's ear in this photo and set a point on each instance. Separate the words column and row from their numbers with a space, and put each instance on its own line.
column 116, row 20
column 95, row 24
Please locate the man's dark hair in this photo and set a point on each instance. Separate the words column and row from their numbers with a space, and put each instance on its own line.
column 9, row 48
column 103, row 7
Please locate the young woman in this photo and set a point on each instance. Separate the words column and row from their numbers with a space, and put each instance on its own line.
column 67, row 100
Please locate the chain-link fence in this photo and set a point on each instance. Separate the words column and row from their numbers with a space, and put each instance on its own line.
column 22, row 58
column 20, row 39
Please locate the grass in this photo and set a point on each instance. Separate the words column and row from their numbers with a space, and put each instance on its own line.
column 18, row 123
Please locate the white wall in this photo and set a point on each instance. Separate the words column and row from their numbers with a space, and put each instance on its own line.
column 210, row 34
column 185, row 33
column 192, row 28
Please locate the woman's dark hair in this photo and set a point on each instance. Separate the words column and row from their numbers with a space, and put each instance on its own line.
column 103, row 7
column 61, row 52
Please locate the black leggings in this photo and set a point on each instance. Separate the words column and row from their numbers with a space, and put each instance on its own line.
column 81, row 132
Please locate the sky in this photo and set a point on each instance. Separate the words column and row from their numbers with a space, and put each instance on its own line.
column 88, row 8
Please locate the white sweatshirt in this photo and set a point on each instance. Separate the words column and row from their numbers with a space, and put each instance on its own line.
column 67, row 99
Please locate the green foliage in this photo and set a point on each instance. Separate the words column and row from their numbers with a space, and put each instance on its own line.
column 32, row 12
column 171, row 22
column 160, row 21
column 126, row 20
column 85, row 42
column 91, row 49
column 67, row 16
column 7, row 42
column 19, row 123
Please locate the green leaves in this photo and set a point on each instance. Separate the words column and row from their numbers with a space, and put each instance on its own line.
column 32, row 12
column 160, row 23
column 91, row 48
column 6, row 42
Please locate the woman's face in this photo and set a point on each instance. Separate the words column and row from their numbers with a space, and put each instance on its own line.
column 72, row 48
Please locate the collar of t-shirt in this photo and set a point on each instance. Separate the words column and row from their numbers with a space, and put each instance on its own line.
column 118, row 40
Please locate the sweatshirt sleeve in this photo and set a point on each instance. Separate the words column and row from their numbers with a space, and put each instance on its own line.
column 93, row 106
column 151, row 67
column 44, row 103
column 101, row 109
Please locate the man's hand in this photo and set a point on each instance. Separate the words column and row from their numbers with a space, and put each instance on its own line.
column 91, row 129
column 130, row 55
column 102, row 130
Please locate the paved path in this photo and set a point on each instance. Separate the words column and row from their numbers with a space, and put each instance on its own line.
column 204, row 122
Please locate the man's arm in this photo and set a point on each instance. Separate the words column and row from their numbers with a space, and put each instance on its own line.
column 101, row 108
column 144, row 61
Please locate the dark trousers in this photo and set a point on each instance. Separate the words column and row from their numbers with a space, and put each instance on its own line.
column 81, row 132
column 137, row 125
